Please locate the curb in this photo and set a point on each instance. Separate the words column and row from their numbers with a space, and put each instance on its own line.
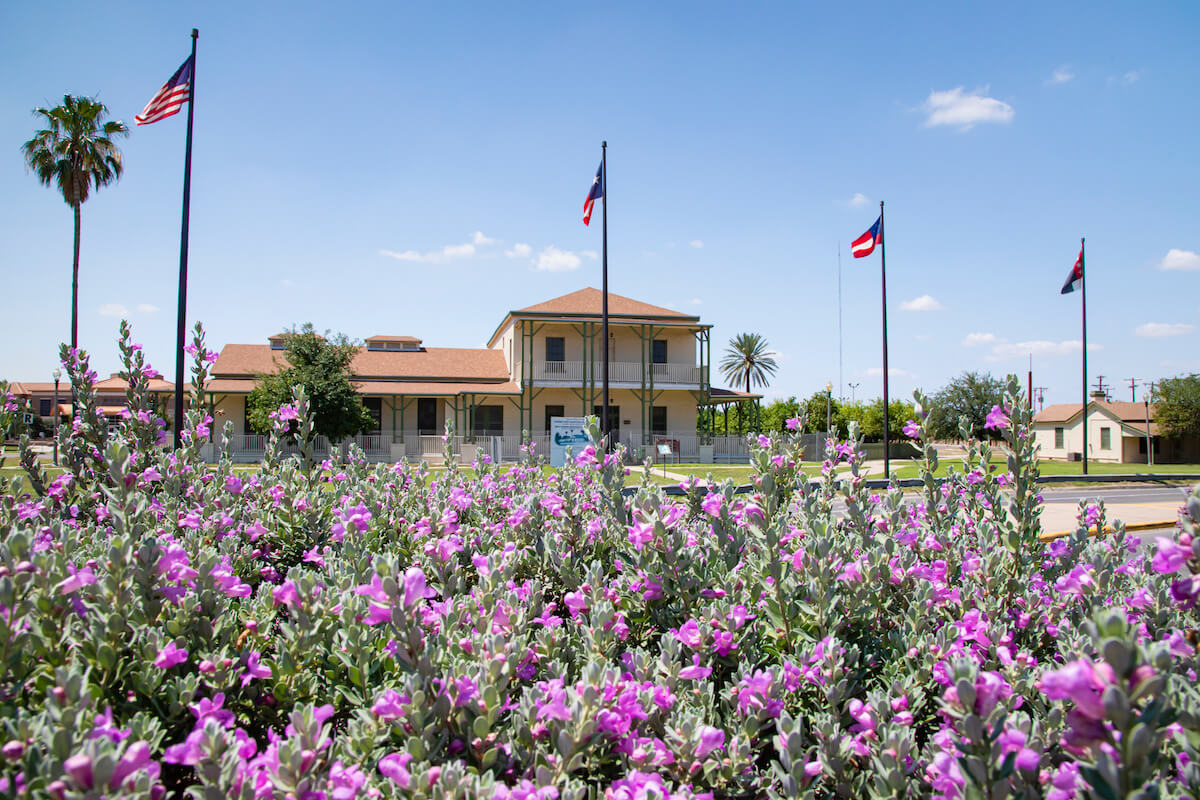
column 1133, row 526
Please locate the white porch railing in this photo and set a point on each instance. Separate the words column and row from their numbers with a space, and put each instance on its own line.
column 574, row 372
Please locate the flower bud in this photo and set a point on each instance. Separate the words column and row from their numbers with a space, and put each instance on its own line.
column 13, row 749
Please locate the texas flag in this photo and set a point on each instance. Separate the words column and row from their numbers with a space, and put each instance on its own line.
column 1075, row 279
column 865, row 244
column 595, row 193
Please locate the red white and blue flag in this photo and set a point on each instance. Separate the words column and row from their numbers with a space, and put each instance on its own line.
column 1075, row 279
column 865, row 244
column 594, row 194
column 170, row 98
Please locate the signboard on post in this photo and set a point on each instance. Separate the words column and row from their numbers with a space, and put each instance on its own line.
column 566, row 432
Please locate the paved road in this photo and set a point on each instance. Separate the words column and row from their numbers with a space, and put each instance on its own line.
column 1115, row 494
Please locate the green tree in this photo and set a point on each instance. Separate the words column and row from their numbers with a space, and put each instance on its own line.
column 747, row 360
column 76, row 152
column 775, row 414
column 321, row 364
column 971, row 395
column 1177, row 405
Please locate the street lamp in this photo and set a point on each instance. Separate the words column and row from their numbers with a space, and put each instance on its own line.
column 829, row 408
column 57, row 376
column 852, row 386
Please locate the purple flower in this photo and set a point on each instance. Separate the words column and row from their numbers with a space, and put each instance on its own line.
column 79, row 767
column 912, row 429
column 79, row 578
column 689, row 634
column 997, row 419
column 793, row 424
column 710, row 739
column 711, row 504
column 695, row 672
column 1079, row 682
column 254, row 669
column 641, row 534
column 286, row 595
column 1170, row 556
column 394, row 766
column 170, row 655
column 414, row 587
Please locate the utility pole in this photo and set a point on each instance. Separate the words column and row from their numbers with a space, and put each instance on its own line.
column 1132, row 389
column 1040, row 391
column 852, row 386
column 1100, row 386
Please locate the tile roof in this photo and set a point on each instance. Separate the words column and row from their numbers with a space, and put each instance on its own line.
column 589, row 301
column 399, row 388
column 110, row 384
column 447, row 363
column 1122, row 410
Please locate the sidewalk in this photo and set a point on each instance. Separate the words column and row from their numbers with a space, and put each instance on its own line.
column 1059, row 519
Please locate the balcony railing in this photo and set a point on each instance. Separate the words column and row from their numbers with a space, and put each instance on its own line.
column 574, row 372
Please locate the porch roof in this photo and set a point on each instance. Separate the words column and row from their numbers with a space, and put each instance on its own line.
column 384, row 388
column 718, row 397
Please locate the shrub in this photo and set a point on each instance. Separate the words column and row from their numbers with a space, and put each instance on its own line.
column 321, row 630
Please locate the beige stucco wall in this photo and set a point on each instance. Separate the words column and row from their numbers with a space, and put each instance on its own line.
column 1073, row 439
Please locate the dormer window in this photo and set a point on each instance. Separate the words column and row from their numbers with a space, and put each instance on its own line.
column 394, row 344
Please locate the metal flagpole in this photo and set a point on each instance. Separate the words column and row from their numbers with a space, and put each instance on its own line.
column 604, row 420
column 840, row 384
column 1083, row 286
column 181, row 323
column 883, row 282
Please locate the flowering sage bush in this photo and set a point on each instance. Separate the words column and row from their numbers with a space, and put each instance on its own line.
column 318, row 629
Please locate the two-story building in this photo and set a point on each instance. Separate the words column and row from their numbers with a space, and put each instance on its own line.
column 541, row 361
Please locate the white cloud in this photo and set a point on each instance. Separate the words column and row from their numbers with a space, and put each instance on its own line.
column 964, row 110
column 113, row 310
column 893, row 372
column 519, row 250
column 592, row 254
column 695, row 301
column 1062, row 75
column 1040, row 347
column 1130, row 77
column 973, row 339
column 552, row 259
column 1180, row 259
column 1159, row 329
column 859, row 200
column 146, row 308
column 923, row 303
column 697, row 243
column 286, row 283
column 447, row 253
column 477, row 238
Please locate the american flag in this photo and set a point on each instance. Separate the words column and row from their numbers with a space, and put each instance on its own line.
column 170, row 98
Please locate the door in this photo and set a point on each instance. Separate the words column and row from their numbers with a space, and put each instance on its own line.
column 427, row 416
column 614, row 420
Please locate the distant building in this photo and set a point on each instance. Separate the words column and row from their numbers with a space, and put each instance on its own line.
column 1116, row 433
column 541, row 361
column 110, row 396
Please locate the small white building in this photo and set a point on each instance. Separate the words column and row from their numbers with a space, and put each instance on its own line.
column 1116, row 433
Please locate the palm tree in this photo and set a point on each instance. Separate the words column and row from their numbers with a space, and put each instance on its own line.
column 748, row 359
column 76, row 152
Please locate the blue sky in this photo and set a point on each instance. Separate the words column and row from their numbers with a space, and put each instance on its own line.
column 345, row 158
